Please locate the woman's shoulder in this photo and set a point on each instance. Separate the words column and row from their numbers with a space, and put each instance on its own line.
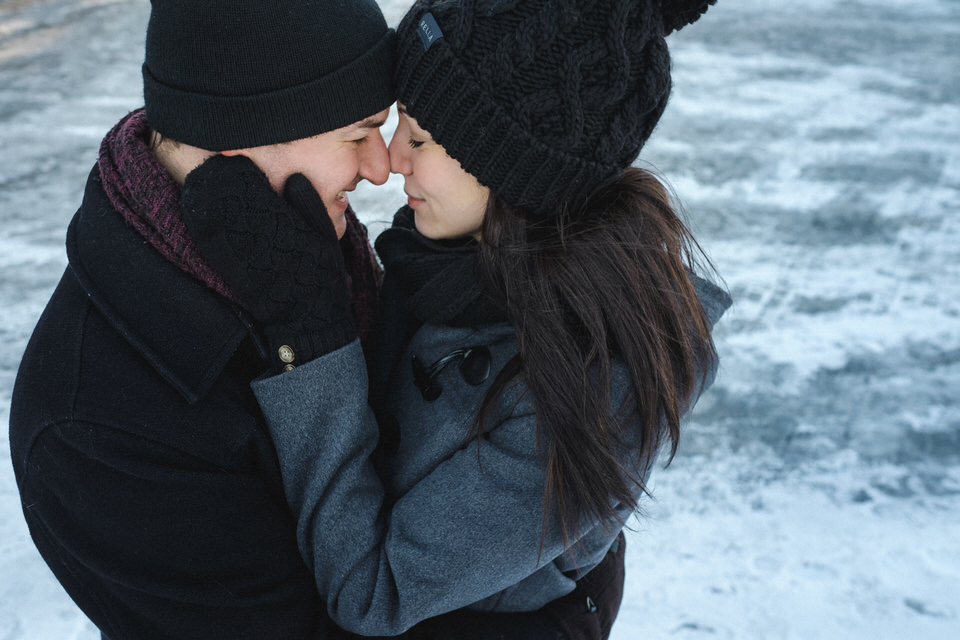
column 714, row 299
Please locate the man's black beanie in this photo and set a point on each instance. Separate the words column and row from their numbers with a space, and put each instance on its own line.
column 232, row 74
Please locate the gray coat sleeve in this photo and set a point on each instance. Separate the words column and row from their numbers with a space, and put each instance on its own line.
column 467, row 531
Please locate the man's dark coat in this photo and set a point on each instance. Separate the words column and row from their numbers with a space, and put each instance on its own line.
column 148, row 479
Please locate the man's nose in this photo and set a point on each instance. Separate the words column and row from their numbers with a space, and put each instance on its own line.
column 375, row 160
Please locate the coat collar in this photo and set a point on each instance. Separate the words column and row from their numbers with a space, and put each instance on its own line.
column 187, row 332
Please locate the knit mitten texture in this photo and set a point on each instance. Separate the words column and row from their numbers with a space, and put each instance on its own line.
column 279, row 255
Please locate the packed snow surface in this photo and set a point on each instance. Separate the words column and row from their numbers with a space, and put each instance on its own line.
column 816, row 149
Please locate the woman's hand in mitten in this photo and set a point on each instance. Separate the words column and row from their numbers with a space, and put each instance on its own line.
column 279, row 255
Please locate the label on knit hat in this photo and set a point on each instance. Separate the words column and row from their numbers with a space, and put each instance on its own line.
column 429, row 31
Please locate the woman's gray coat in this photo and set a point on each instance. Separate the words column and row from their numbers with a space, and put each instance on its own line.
column 450, row 520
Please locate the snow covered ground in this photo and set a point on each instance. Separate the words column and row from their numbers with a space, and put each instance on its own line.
column 816, row 147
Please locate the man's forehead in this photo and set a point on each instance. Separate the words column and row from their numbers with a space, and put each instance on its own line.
column 374, row 121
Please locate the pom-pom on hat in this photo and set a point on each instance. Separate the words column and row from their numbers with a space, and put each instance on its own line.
column 542, row 100
column 231, row 74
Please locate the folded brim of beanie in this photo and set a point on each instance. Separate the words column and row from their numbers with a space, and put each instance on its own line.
column 440, row 93
column 221, row 122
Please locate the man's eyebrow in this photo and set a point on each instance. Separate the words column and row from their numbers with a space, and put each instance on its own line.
column 372, row 122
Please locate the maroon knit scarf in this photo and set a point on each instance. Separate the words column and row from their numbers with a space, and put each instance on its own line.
column 148, row 198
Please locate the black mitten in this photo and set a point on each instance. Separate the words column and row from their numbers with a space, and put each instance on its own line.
column 280, row 256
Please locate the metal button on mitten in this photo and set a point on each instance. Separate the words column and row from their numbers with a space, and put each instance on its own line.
column 287, row 356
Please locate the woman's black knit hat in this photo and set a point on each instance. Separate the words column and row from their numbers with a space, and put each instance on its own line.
column 231, row 74
column 541, row 100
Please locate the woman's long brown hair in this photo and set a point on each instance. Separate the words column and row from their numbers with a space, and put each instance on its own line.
column 608, row 280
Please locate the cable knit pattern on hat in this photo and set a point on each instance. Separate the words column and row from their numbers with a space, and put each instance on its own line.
column 542, row 100
column 679, row 13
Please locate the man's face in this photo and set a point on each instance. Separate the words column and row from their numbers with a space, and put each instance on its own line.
column 334, row 162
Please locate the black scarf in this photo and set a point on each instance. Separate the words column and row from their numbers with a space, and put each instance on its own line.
column 425, row 281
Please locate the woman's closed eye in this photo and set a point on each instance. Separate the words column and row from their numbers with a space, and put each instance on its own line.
column 415, row 144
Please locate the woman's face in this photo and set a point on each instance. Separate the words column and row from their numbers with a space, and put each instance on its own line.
column 447, row 201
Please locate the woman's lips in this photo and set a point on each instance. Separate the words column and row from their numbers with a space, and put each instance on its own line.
column 414, row 202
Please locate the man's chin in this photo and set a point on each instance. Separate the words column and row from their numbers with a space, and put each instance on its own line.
column 339, row 220
column 337, row 210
